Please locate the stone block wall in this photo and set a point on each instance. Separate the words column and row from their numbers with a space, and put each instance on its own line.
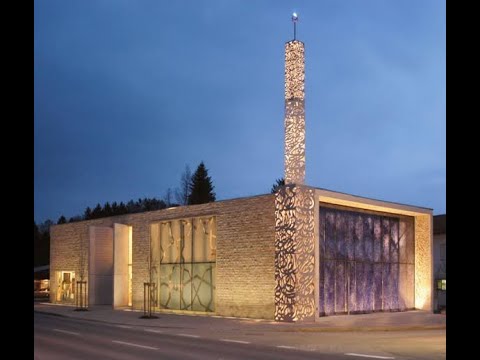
column 245, row 251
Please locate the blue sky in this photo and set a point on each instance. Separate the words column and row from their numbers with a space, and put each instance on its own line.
column 129, row 92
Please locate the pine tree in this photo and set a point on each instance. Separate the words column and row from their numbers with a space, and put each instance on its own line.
column 201, row 188
column 97, row 212
column 87, row 215
column 62, row 220
column 115, row 208
column 107, row 210
column 122, row 209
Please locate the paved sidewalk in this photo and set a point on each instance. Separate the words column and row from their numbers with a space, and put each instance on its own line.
column 396, row 321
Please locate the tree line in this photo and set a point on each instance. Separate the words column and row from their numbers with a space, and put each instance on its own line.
column 196, row 188
column 193, row 189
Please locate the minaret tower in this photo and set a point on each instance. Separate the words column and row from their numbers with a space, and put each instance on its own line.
column 296, row 207
column 294, row 109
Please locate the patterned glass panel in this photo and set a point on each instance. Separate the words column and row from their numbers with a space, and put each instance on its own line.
column 369, row 287
column 186, row 286
column 358, row 237
column 386, row 240
column 170, row 286
column 186, row 249
column 394, row 243
column 368, row 237
column 361, row 282
column 387, row 287
column 349, row 242
column 329, row 287
column 202, row 286
column 377, row 286
column 377, row 239
column 340, row 237
column 366, row 262
column 340, row 287
column 322, row 291
column 322, row 264
column 352, row 301
column 186, row 238
column 394, row 277
column 402, row 242
column 330, row 235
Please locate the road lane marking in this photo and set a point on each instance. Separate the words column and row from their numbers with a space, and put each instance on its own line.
column 370, row 356
column 66, row 332
column 286, row 347
column 153, row 331
column 235, row 341
column 123, row 326
column 188, row 335
column 135, row 345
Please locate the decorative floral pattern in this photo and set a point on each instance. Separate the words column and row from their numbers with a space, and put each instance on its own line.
column 294, row 70
column 294, row 254
column 294, row 113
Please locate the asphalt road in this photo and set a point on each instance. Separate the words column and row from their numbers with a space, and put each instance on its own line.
column 66, row 338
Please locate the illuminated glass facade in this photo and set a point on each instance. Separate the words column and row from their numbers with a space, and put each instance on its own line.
column 183, row 264
column 65, row 286
column 366, row 262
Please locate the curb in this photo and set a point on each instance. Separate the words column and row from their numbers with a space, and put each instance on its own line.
column 298, row 330
column 367, row 329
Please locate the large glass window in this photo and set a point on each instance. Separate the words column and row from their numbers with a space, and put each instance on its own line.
column 183, row 263
column 65, row 286
column 366, row 262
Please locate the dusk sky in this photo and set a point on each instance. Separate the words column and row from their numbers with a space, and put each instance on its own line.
column 129, row 92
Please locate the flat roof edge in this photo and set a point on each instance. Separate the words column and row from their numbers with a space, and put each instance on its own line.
column 396, row 204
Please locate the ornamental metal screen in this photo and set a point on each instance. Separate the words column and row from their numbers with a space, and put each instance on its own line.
column 366, row 262
column 183, row 263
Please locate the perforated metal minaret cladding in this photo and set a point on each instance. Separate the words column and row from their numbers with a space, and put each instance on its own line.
column 294, row 112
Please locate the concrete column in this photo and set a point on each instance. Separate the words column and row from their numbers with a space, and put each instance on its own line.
column 424, row 262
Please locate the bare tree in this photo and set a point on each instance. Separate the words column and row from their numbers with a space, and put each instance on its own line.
column 182, row 193
column 167, row 198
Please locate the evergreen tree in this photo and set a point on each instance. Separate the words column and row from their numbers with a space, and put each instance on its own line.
column 62, row 220
column 107, row 210
column 278, row 183
column 131, row 207
column 122, row 209
column 201, row 188
column 97, row 212
column 41, row 245
column 115, row 208
column 87, row 215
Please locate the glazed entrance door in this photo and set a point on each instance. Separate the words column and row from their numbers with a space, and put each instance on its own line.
column 366, row 263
